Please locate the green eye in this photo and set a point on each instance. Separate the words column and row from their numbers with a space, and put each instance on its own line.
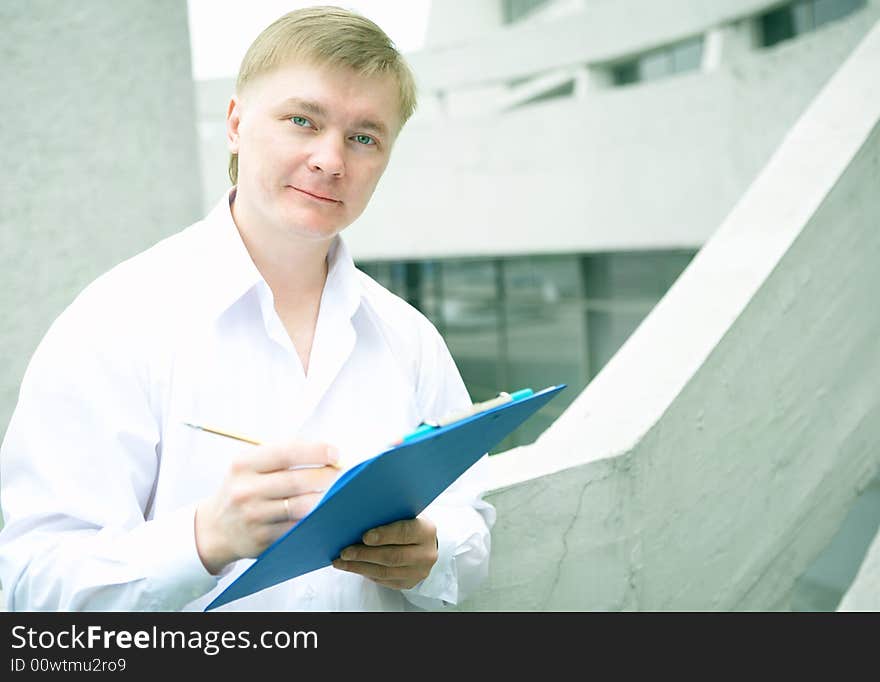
column 300, row 121
column 364, row 139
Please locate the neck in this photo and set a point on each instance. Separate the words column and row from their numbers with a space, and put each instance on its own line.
column 292, row 266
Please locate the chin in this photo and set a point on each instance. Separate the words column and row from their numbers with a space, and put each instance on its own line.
column 317, row 231
column 321, row 235
column 311, row 224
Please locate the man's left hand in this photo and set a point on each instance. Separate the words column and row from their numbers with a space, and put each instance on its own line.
column 399, row 555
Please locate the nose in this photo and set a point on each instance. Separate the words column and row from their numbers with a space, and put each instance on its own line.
column 327, row 155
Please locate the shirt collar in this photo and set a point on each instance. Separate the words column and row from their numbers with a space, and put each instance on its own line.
column 232, row 273
column 342, row 279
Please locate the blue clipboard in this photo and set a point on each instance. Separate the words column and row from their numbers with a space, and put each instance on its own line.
column 395, row 484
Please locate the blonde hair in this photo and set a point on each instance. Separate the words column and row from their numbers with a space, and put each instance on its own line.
column 326, row 36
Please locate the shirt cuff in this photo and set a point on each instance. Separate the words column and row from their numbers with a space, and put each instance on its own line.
column 177, row 574
column 455, row 535
column 440, row 587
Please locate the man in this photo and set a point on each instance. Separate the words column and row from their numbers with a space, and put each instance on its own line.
column 253, row 320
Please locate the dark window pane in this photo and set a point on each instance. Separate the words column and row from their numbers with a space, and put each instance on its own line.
column 542, row 279
column 632, row 276
column 472, row 318
column 367, row 268
column 684, row 56
column 431, row 293
column 607, row 332
column 776, row 26
column 397, row 272
column 546, row 345
column 381, row 272
column 412, row 284
column 469, row 279
column 625, row 72
column 416, row 282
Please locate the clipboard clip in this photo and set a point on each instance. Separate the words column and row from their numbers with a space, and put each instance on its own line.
column 463, row 413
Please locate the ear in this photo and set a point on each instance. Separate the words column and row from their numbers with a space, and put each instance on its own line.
column 233, row 120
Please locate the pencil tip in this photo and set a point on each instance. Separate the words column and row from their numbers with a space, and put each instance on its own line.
column 192, row 425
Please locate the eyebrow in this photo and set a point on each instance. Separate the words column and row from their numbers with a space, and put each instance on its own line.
column 316, row 109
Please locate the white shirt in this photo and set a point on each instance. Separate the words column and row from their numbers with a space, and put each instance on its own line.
column 100, row 476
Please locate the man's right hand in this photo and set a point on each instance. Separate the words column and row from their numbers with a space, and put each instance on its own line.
column 261, row 498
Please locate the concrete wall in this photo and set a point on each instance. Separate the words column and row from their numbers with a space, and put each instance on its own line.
column 706, row 470
column 99, row 139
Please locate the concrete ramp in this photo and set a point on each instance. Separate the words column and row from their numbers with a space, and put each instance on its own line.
column 717, row 453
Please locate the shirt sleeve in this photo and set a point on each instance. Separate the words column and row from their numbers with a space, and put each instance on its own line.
column 463, row 519
column 78, row 466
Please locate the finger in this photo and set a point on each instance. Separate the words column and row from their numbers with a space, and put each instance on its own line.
column 394, row 578
column 296, row 453
column 292, row 482
column 387, row 555
column 404, row 532
column 271, row 511
column 372, row 571
column 301, row 506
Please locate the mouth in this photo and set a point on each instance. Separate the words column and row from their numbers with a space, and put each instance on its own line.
column 317, row 197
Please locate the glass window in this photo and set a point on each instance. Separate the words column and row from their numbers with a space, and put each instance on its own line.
column 381, row 272
column 684, row 56
column 688, row 55
column 546, row 345
column 831, row 10
column 542, row 279
column 608, row 329
column 801, row 17
column 621, row 289
column 625, row 72
column 534, row 321
column 397, row 272
column 471, row 312
column 632, row 276
column 430, row 296
column 655, row 65
column 776, row 26
column 514, row 10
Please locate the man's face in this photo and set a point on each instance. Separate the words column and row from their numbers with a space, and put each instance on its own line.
column 312, row 143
